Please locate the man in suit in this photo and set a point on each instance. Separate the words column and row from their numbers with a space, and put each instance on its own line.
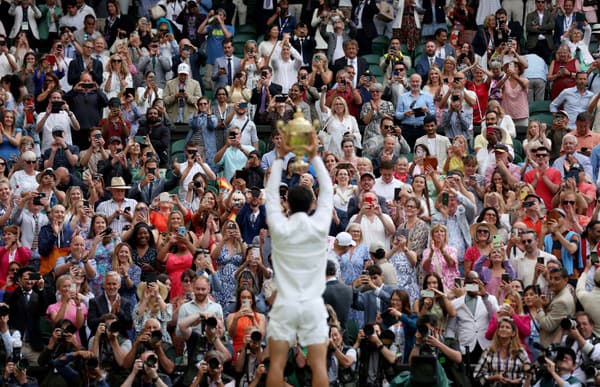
column 342, row 30
column 85, row 62
column 351, row 58
column 27, row 304
column 427, row 60
column 567, row 20
column 370, row 294
column 303, row 43
column 181, row 94
column 25, row 12
column 540, row 24
column 252, row 217
column 336, row 294
column 152, row 184
column 362, row 17
column 561, row 306
column 262, row 93
column 367, row 184
column 443, row 49
column 119, row 306
column 226, row 66
column 474, row 311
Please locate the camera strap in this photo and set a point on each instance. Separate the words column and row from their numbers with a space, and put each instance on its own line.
column 244, row 127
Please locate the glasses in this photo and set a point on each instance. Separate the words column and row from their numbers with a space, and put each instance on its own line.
column 165, row 31
column 30, row 162
column 388, row 126
column 233, row 133
column 192, row 151
column 117, row 61
column 375, row 91
column 2, row 163
column 527, row 241
column 483, row 231
column 141, row 208
column 542, row 155
column 154, row 46
column 203, row 103
column 410, row 207
column 187, row 280
column 571, row 202
column 400, row 69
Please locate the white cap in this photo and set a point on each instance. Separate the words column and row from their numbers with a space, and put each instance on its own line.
column 183, row 68
column 344, row 239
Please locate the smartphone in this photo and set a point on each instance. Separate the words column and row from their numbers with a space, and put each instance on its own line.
column 365, row 272
column 246, row 304
column 369, row 200
column 56, row 107
column 497, row 241
column 505, row 278
column 397, row 191
column 594, row 257
column 51, row 59
column 280, row 98
column 164, row 197
column 86, row 203
column 151, row 277
column 540, row 260
column 256, row 252
column 143, row 211
column 73, row 288
column 426, row 293
column 445, row 197
column 472, row 287
column 130, row 91
column 34, row 276
column 107, row 231
column 181, row 230
column 243, row 105
column 458, row 282
column 574, row 173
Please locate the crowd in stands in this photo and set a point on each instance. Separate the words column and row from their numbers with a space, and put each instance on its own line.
column 462, row 138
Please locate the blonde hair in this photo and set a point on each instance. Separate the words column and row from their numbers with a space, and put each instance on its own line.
column 436, row 227
column 514, row 346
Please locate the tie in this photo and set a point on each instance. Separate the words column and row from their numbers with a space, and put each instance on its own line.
column 253, row 218
column 153, row 63
column 353, row 64
column 268, row 4
column 229, row 72
column 263, row 100
column 431, row 62
column 302, row 49
column 36, row 232
column 27, row 297
column 150, row 190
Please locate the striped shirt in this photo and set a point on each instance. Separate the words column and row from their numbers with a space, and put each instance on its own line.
column 491, row 363
column 110, row 206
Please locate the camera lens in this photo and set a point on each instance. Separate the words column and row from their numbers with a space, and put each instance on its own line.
column 369, row 330
column 256, row 336
column 214, row 363
column 151, row 361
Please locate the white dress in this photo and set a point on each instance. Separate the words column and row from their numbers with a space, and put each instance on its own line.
column 486, row 7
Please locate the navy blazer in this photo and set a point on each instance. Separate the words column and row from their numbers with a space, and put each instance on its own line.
column 99, row 307
column 24, row 316
column 339, row 296
column 367, row 301
column 422, row 66
column 247, row 229
column 559, row 25
column 76, row 67
column 362, row 63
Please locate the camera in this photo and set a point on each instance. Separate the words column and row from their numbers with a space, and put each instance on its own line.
column 197, row 184
column 264, row 74
column 369, row 330
column 568, row 323
column 455, row 98
column 92, row 362
column 214, row 363
column 4, row 311
column 151, row 361
column 156, row 336
column 256, row 337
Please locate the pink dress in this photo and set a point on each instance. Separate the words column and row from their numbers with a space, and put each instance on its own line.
column 440, row 266
column 176, row 264
column 70, row 313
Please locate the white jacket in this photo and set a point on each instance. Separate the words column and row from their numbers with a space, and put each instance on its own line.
column 470, row 329
column 32, row 13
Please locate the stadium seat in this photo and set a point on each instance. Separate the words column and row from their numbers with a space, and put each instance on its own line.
column 372, row 59
column 376, row 71
column 380, row 44
column 262, row 147
column 179, row 156
column 246, row 28
column 545, row 118
column 539, row 107
column 243, row 37
column 519, row 151
column 177, row 147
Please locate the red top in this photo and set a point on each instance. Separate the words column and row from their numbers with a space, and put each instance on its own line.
column 22, row 256
column 482, row 98
column 563, row 82
column 176, row 265
column 541, row 189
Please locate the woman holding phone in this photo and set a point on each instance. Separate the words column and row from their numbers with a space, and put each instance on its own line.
column 101, row 244
column 433, row 299
column 440, row 257
column 71, row 305
column 176, row 251
column 131, row 273
column 228, row 255
column 495, row 270
column 244, row 316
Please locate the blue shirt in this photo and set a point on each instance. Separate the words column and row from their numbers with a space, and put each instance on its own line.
column 408, row 102
column 573, row 103
column 214, row 49
column 595, row 160
column 538, row 69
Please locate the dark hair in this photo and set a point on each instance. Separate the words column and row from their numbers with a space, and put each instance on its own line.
column 563, row 272
column 405, row 299
column 374, row 270
column 428, row 318
column 330, row 269
column 132, row 241
column 439, row 31
column 584, row 117
column 238, row 302
column 429, row 118
column 501, row 11
column 386, row 164
column 299, row 198
column 222, row 89
column 440, row 288
column 589, row 227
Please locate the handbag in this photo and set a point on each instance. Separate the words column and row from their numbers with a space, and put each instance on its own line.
column 386, row 12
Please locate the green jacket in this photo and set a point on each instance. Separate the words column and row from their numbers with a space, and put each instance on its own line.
column 46, row 20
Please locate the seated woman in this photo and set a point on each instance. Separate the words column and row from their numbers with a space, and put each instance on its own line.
column 245, row 315
column 505, row 362
column 12, row 251
column 152, row 305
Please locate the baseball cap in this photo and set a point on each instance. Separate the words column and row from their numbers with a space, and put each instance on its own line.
column 115, row 139
column 344, row 239
column 183, row 68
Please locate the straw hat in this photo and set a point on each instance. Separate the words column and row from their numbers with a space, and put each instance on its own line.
column 474, row 227
column 162, row 290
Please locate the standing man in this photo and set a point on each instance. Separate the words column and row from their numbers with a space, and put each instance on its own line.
column 119, row 209
column 84, row 62
column 428, row 60
column 540, row 24
column 351, row 58
column 412, row 108
column 574, row 100
column 299, row 260
column 181, row 95
column 226, row 66
column 562, row 306
column 545, row 179
column 436, row 143
column 160, row 135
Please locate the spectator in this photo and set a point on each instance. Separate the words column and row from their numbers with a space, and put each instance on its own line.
column 570, row 156
column 181, row 95
column 412, row 107
column 225, row 66
column 428, row 60
column 61, row 153
column 563, row 71
column 573, row 100
column 561, row 306
column 545, row 179
column 233, row 155
column 537, row 74
column 540, row 25
column 159, row 134
column 56, row 117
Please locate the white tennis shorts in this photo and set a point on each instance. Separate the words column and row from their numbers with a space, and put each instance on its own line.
column 305, row 319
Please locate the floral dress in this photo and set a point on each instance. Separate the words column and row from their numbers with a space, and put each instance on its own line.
column 162, row 317
column 406, row 274
column 440, row 266
column 351, row 265
column 103, row 257
column 228, row 263
column 373, row 127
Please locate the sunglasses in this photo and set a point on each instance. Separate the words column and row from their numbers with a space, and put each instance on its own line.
column 2, row 163
column 542, row 155
column 29, row 162
column 388, row 126
column 571, row 202
column 483, row 231
column 117, row 60
column 527, row 241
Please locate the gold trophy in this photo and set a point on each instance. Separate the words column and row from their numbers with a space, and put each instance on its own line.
column 296, row 134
